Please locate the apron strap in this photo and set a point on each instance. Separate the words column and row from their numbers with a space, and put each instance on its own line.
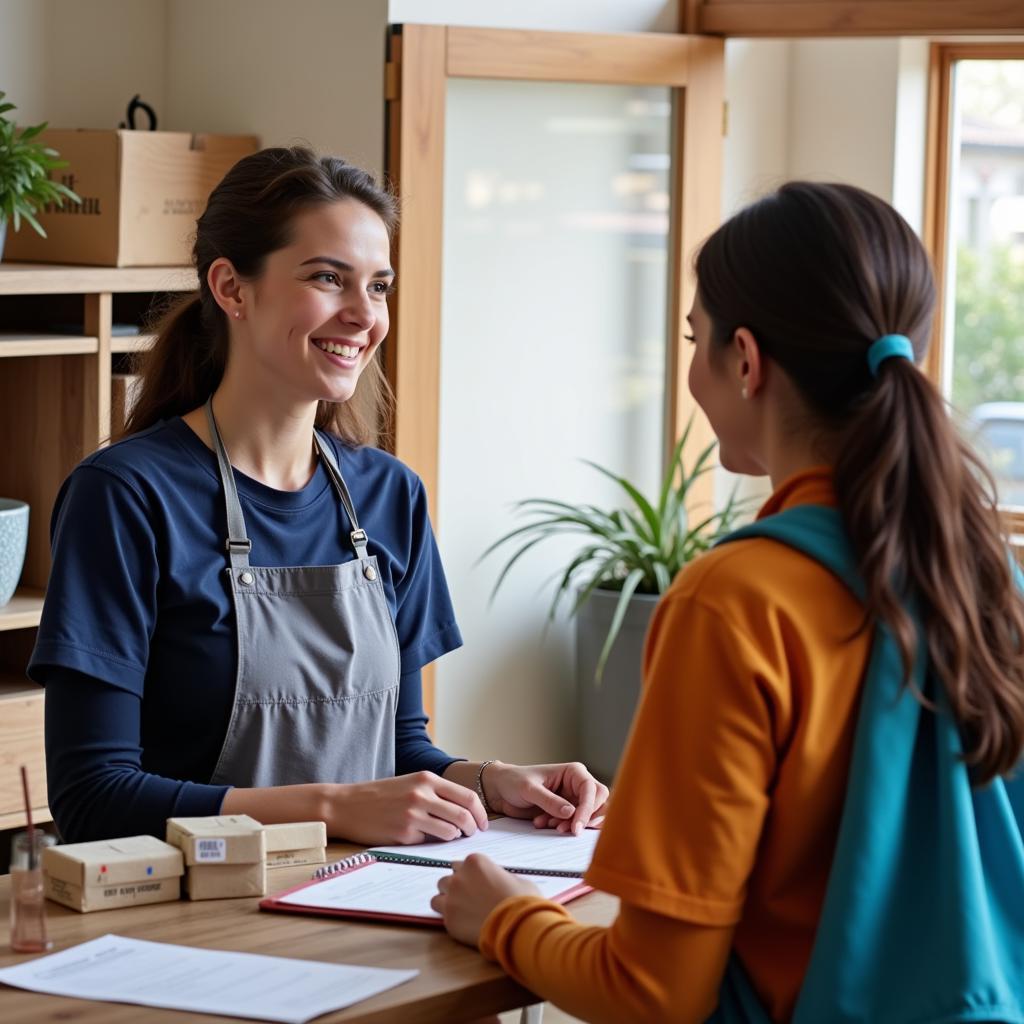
column 238, row 544
column 357, row 536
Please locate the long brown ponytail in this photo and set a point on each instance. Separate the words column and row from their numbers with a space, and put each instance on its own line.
column 247, row 217
column 817, row 273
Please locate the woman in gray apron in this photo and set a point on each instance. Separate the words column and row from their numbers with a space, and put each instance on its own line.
column 244, row 589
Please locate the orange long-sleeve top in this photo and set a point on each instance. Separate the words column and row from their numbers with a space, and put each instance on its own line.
column 726, row 808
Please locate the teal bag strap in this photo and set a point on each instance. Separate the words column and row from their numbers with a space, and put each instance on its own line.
column 923, row 919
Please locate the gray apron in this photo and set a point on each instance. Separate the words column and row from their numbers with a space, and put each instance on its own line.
column 316, row 688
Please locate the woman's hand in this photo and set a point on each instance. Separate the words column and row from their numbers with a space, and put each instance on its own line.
column 473, row 889
column 565, row 797
column 407, row 809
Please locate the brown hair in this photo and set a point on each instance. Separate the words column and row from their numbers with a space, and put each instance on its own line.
column 817, row 273
column 247, row 217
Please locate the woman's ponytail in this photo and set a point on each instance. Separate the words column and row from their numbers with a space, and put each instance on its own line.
column 184, row 366
column 920, row 511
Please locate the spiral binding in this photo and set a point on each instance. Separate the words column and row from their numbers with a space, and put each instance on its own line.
column 355, row 861
column 359, row 859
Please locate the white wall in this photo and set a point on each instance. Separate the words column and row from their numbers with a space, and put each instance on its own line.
column 77, row 64
column 843, row 111
column 911, row 131
column 23, row 58
column 553, row 15
column 757, row 147
column 298, row 71
column 303, row 70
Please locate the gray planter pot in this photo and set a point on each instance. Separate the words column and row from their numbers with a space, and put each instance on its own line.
column 605, row 709
column 3, row 238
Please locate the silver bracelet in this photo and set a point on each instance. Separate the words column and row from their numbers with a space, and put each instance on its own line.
column 480, row 787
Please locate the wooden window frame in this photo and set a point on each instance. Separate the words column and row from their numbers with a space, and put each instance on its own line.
column 795, row 18
column 935, row 233
column 938, row 170
column 421, row 60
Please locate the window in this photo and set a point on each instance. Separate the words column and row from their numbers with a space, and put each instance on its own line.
column 980, row 252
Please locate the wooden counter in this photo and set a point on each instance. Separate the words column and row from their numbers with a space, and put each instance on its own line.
column 454, row 984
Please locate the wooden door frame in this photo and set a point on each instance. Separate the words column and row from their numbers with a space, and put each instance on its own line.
column 421, row 60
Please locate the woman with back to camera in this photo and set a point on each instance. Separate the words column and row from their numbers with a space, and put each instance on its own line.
column 244, row 591
column 819, row 814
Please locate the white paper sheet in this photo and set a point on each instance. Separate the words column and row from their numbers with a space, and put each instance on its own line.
column 120, row 970
column 386, row 888
column 512, row 844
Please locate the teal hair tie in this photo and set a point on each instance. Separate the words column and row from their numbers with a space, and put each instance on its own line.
column 889, row 346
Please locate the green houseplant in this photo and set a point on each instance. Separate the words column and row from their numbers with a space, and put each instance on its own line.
column 628, row 558
column 25, row 166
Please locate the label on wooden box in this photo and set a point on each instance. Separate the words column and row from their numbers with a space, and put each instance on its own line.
column 295, row 858
column 87, row 898
column 218, row 839
column 225, row 881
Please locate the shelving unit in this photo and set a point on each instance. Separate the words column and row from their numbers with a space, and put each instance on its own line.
column 57, row 352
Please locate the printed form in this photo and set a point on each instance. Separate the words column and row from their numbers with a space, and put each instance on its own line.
column 513, row 844
column 120, row 970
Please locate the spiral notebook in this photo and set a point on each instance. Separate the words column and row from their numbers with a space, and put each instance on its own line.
column 395, row 884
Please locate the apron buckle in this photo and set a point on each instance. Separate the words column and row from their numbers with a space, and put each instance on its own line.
column 244, row 545
column 359, row 538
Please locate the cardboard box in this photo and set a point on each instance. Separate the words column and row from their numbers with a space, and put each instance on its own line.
column 295, row 835
column 141, row 191
column 113, row 873
column 295, row 843
column 225, row 881
column 219, row 839
column 296, row 858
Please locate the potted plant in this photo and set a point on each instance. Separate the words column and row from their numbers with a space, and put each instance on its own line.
column 628, row 559
column 25, row 166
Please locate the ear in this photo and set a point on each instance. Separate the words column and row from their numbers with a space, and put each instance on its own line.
column 226, row 287
column 750, row 363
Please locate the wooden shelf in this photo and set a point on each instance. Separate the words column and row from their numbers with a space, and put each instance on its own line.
column 56, row 279
column 14, row 345
column 15, row 687
column 21, row 709
column 132, row 343
column 22, row 611
column 40, row 815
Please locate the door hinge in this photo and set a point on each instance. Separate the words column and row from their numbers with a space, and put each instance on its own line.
column 392, row 81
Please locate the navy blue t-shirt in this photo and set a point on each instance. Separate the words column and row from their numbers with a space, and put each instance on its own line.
column 137, row 641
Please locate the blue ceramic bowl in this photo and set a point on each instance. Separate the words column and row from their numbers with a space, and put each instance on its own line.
column 13, row 540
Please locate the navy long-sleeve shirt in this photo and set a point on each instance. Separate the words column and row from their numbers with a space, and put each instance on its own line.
column 137, row 643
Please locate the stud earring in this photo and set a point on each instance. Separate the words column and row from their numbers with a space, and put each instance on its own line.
column 744, row 392
column 238, row 316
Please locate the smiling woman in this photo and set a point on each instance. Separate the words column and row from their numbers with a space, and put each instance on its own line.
column 280, row 214
column 223, row 630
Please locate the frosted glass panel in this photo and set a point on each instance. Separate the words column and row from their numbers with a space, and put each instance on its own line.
column 553, row 350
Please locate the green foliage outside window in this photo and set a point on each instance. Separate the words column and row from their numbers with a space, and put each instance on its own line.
column 988, row 348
